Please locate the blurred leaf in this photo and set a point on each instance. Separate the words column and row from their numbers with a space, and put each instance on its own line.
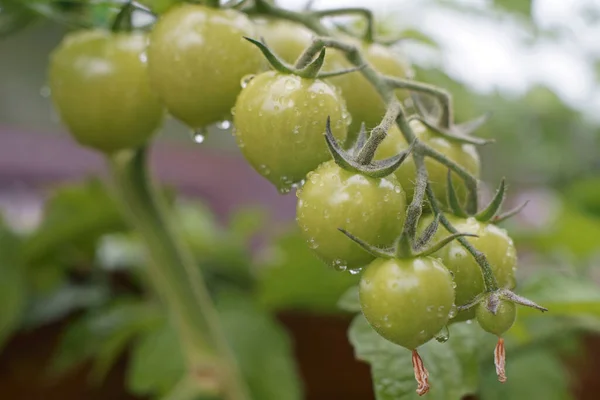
column 585, row 193
column 246, row 222
column 262, row 347
column 75, row 217
column 562, row 294
column 522, row 7
column 350, row 300
column 14, row 16
column 535, row 374
column 61, row 302
column 418, row 36
column 291, row 277
column 156, row 363
column 453, row 366
column 13, row 292
column 103, row 335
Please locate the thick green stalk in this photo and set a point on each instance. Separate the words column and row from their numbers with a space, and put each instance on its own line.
column 176, row 278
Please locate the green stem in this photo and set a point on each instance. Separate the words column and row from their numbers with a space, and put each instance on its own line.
column 491, row 284
column 379, row 133
column 369, row 34
column 176, row 277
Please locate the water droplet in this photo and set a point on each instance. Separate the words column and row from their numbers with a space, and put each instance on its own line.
column 453, row 311
column 225, row 124
column 45, row 91
column 354, row 271
column 339, row 265
column 199, row 135
column 312, row 243
column 443, row 335
column 246, row 80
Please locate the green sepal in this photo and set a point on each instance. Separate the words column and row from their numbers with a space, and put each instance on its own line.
column 403, row 248
column 443, row 242
column 376, row 251
column 508, row 214
column 492, row 209
column 124, row 20
column 347, row 161
column 428, row 233
column 361, row 139
column 458, row 133
column 452, row 197
column 275, row 62
column 506, row 294
column 312, row 70
column 331, row 74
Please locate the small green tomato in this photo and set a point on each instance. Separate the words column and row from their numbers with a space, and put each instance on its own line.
column 280, row 120
column 499, row 323
column 332, row 198
column 407, row 301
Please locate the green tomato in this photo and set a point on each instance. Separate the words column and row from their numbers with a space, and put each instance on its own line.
column 499, row 323
column 280, row 120
column 99, row 84
column 197, row 58
column 463, row 154
column 497, row 246
column 407, row 301
column 159, row 6
column 332, row 198
column 363, row 101
column 287, row 39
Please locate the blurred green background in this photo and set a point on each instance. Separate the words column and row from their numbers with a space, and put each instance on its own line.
column 78, row 320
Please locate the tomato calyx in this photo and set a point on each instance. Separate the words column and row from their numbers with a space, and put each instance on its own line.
column 406, row 247
column 311, row 71
column 491, row 300
column 491, row 213
column 350, row 162
column 123, row 20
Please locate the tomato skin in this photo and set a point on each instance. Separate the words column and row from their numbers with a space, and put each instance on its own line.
column 363, row 101
column 407, row 301
column 287, row 39
column 332, row 198
column 100, row 87
column 280, row 120
column 505, row 317
column 463, row 154
column 197, row 58
column 497, row 246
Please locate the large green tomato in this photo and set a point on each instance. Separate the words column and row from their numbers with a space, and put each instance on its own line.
column 280, row 120
column 498, row 323
column 332, row 198
column 407, row 301
column 463, row 154
column 287, row 39
column 197, row 58
column 363, row 101
column 497, row 246
column 99, row 84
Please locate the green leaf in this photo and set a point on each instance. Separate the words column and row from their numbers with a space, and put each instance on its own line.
column 291, row 277
column 74, row 218
column 522, row 7
column 535, row 374
column 262, row 347
column 111, row 329
column 61, row 302
column 453, row 366
column 14, row 16
column 419, row 36
column 350, row 300
column 156, row 363
column 13, row 293
column 246, row 222
column 562, row 294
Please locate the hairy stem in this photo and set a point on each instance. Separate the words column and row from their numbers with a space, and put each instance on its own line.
column 491, row 284
column 369, row 34
column 176, row 277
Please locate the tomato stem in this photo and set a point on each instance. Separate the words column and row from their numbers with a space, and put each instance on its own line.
column 369, row 34
column 175, row 276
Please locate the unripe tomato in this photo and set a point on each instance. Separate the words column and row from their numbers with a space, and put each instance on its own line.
column 332, row 198
column 463, row 154
column 197, row 58
column 287, row 39
column 502, row 321
column 497, row 246
column 363, row 101
column 280, row 120
column 99, row 84
column 407, row 301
